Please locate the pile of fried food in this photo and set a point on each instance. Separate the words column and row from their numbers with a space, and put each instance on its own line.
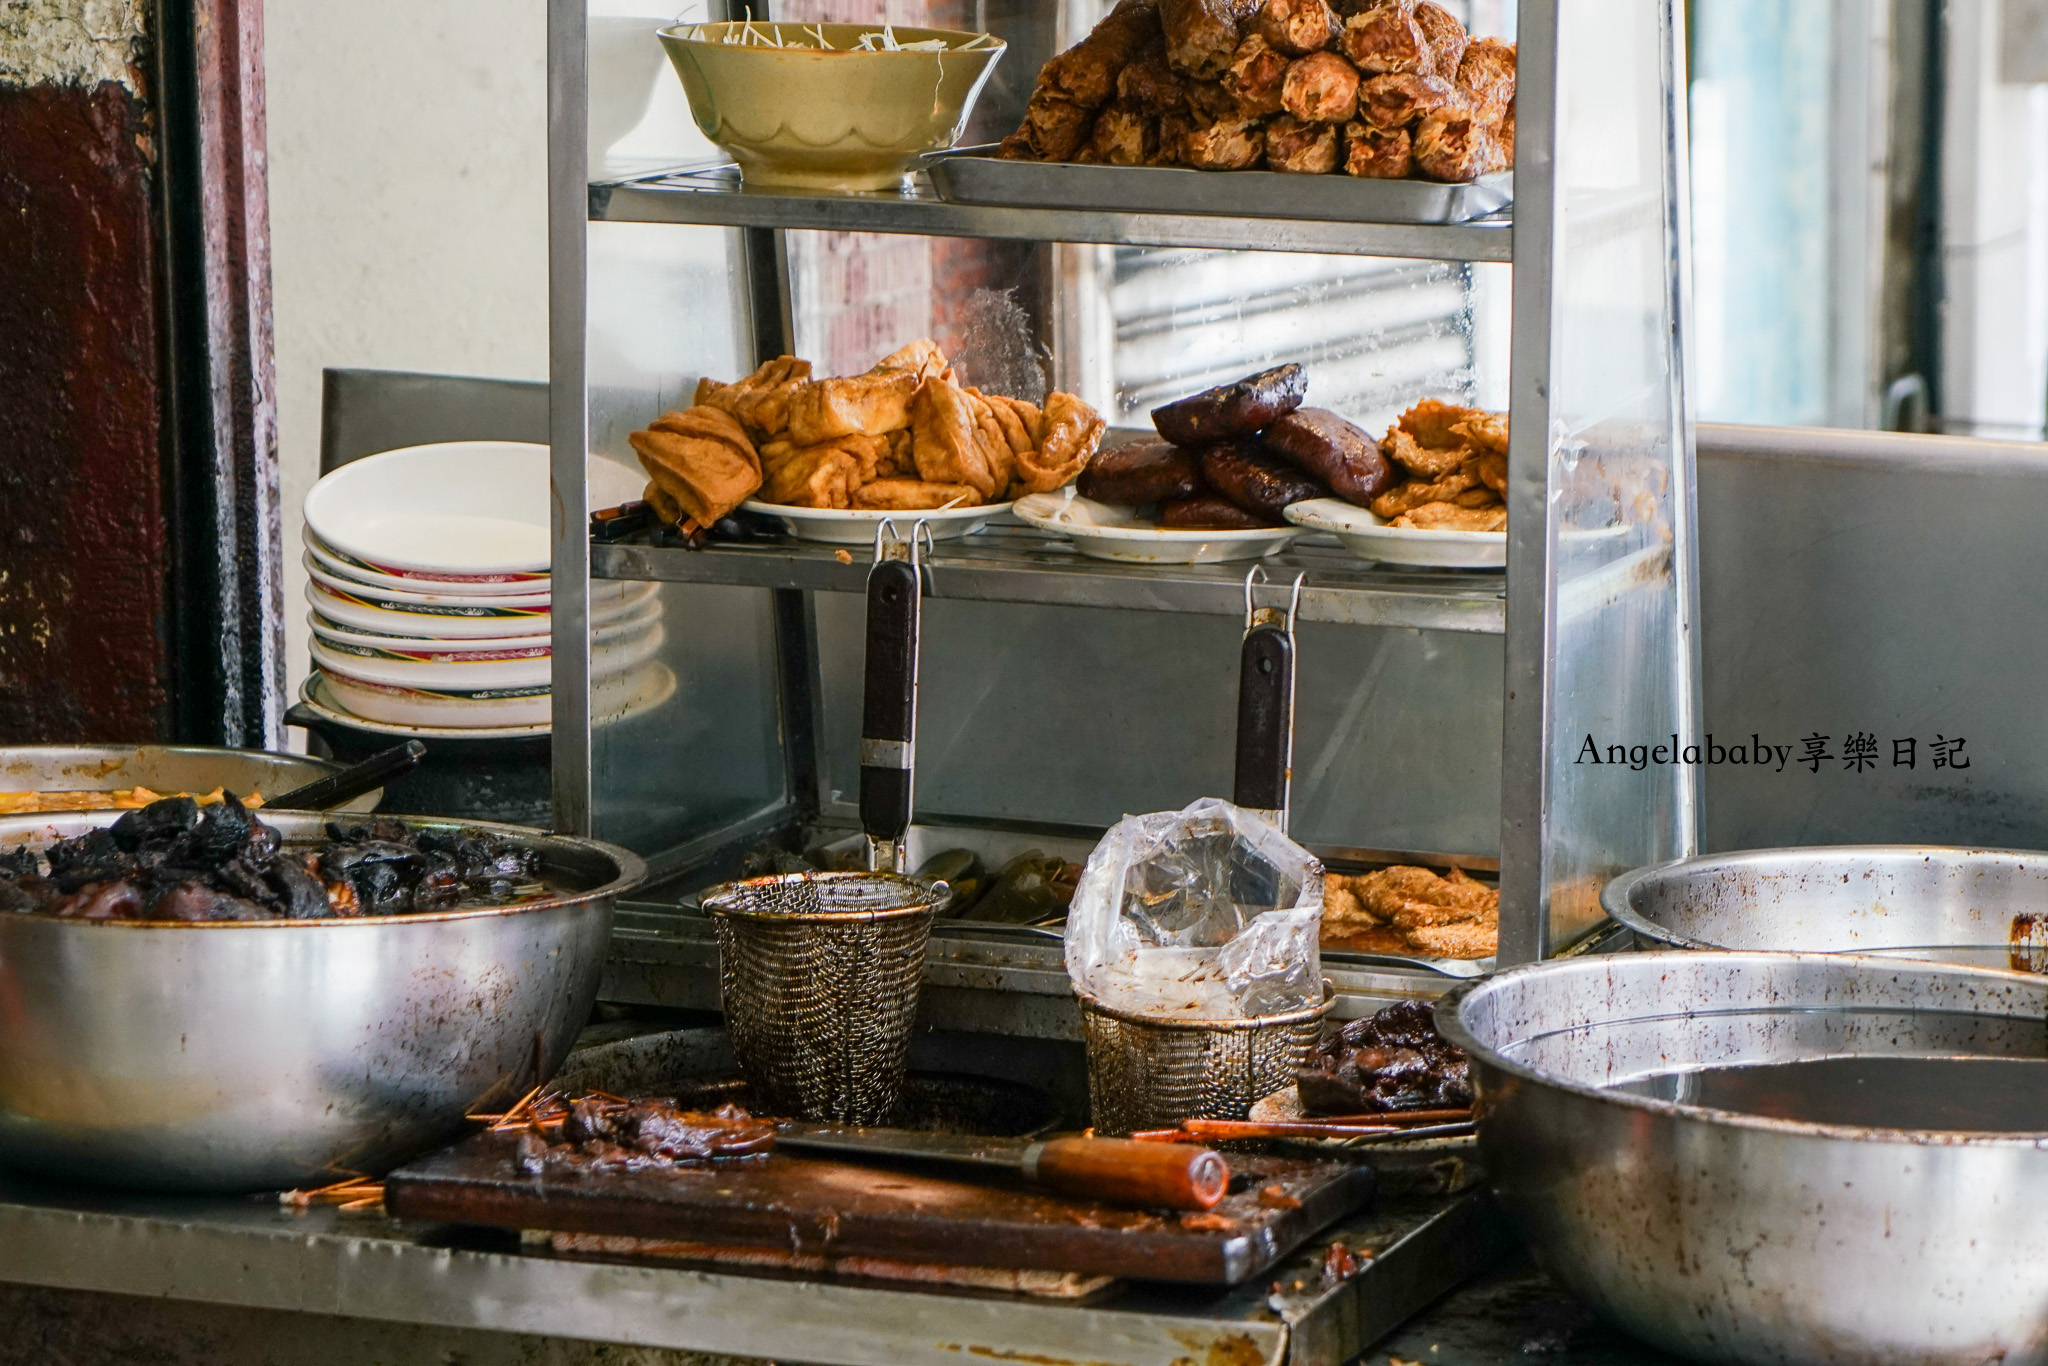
column 598, row 1132
column 1405, row 909
column 905, row 436
column 172, row 861
column 1232, row 458
column 1383, row 89
column 115, row 799
column 1395, row 1060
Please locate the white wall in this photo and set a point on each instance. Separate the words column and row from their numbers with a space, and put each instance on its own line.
column 408, row 201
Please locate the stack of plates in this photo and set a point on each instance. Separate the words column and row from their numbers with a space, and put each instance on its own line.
column 431, row 597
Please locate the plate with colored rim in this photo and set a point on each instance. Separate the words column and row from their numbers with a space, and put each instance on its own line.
column 1106, row 532
column 1371, row 538
column 413, row 597
column 340, row 566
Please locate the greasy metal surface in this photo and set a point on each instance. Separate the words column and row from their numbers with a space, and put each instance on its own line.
column 715, row 196
column 230, row 1056
column 1151, row 1074
column 807, row 1203
column 1020, row 564
column 1983, row 907
column 163, row 768
column 954, row 1103
column 81, row 474
column 818, row 978
column 1741, row 1238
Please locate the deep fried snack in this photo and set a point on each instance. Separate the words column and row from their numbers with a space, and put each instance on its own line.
column 912, row 495
column 1151, row 84
column 1302, row 148
column 1447, row 38
column 1504, row 141
column 1468, row 939
column 1297, row 27
column 1019, row 420
column 1173, row 140
column 946, row 421
column 702, row 461
column 1333, row 450
column 1491, row 470
column 1403, row 499
column 1211, row 512
column 900, row 460
column 1406, row 896
column 823, row 475
column 1123, row 136
column 1434, row 423
column 1377, row 154
column 1482, row 430
column 1478, row 496
column 1386, row 39
column 1226, row 145
column 1424, row 462
column 1233, row 410
column 1067, row 440
column 1321, row 88
column 1142, row 472
column 761, row 400
column 874, row 404
column 1256, row 76
column 1201, row 35
column 1054, row 128
column 1452, row 144
column 1086, row 73
column 1486, row 74
column 922, row 358
column 1451, row 517
column 1396, row 101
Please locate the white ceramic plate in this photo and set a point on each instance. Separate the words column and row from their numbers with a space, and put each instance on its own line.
column 1370, row 538
column 426, row 713
column 313, row 692
column 340, row 583
column 367, row 644
column 455, row 708
column 424, row 622
column 854, row 526
column 460, row 508
column 471, row 672
column 1119, row 533
column 342, row 567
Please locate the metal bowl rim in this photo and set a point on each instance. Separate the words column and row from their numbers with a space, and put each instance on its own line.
column 671, row 33
column 1615, row 896
column 1293, row 1017
column 933, row 893
column 632, row 871
column 1450, row 1005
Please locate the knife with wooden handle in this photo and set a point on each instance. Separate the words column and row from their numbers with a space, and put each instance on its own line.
column 1115, row 1171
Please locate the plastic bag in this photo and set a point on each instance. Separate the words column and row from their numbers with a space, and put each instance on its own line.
column 1209, row 913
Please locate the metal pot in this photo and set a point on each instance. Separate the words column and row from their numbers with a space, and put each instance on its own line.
column 225, row 1057
column 163, row 768
column 1983, row 907
column 1739, row 1238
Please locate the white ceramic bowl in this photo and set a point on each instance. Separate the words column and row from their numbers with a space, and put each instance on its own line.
column 1370, row 538
column 1118, row 533
column 453, row 509
column 857, row 526
column 331, row 562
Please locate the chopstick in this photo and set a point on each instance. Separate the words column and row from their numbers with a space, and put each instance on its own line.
column 1363, row 1128
column 1458, row 1116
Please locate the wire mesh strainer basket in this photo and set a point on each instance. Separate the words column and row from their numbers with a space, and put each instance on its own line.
column 818, row 974
column 1151, row 1074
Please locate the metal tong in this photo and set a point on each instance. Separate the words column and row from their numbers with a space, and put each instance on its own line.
column 888, row 731
column 1265, row 703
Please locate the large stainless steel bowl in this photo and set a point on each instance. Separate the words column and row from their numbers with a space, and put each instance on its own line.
column 163, row 768
column 223, row 1057
column 1983, row 907
column 1745, row 1239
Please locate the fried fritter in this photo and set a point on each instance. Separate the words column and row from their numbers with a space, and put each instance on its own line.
column 1321, row 88
column 1376, row 154
column 1386, row 38
column 1201, row 35
column 1123, row 136
column 1491, row 470
column 1068, row 439
column 922, row 358
column 1297, row 27
column 702, row 461
column 824, row 474
column 1451, row 517
column 1447, row 38
column 1434, row 423
column 1405, row 498
column 946, row 421
column 1086, row 73
column 1487, row 73
column 1406, row 909
column 761, row 400
column 1423, row 461
column 1469, row 939
column 912, row 495
column 873, row 404
column 1483, row 431
column 1452, row 144
column 1256, row 76
column 1395, row 101
column 1303, row 148
column 1227, row 145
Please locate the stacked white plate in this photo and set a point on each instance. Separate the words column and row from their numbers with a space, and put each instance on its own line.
column 432, row 601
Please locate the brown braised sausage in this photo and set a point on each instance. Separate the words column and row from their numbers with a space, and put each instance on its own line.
column 1210, row 512
column 1233, row 410
column 1142, row 472
column 1334, row 451
column 1257, row 482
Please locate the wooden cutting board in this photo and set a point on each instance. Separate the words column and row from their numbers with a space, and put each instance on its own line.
column 816, row 1205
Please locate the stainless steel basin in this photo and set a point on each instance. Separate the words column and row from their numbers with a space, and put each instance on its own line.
column 1739, row 1238
column 250, row 1056
column 1984, row 907
column 163, row 768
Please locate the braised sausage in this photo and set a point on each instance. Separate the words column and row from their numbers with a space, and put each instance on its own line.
column 1255, row 481
column 1142, row 472
column 1230, row 411
column 1210, row 512
column 1334, row 451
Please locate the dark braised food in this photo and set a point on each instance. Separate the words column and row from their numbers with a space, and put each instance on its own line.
column 1393, row 1061
column 1142, row 472
column 1233, row 410
column 1323, row 444
column 598, row 1133
column 1257, row 482
column 174, row 860
column 1211, row 512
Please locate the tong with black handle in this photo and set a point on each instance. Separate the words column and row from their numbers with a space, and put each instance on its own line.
column 888, row 731
column 1265, row 703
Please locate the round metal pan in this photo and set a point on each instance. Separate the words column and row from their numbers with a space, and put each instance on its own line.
column 165, row 769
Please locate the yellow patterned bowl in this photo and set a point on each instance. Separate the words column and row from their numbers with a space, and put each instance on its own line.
column 820, row 113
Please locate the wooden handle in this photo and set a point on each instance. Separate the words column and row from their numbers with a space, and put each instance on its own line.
column 1121, row 1172
column 1265, row 720
column 889, row 704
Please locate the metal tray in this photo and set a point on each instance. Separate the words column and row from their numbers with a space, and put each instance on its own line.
column 970, row 176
